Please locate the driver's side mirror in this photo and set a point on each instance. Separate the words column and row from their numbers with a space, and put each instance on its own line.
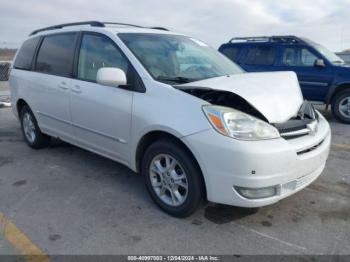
column 111, row 76
column 319, row 63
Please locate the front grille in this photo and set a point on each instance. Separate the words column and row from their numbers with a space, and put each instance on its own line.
column 301, row 125
column 294, row 128
column 291, row 129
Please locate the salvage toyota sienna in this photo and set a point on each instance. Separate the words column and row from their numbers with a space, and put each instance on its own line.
column 171, row 108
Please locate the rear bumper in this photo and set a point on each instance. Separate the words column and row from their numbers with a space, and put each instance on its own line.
column 290, row 165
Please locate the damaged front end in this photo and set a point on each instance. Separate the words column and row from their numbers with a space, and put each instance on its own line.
column 233, row 116
column 223, row 98
column 304, row 122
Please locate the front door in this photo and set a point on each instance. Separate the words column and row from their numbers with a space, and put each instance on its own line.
column 101, row 115
column 314, row 81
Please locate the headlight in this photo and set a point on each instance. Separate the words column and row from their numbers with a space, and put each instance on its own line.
column 236, row 124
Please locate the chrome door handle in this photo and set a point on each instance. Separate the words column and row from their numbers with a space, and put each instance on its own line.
column 76, row 89
column 63, row 85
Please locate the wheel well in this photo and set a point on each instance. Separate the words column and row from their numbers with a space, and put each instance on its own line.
column 153, row 136
column 20, row 104
column 339, row 89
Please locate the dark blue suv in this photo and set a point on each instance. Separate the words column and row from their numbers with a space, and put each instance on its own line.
column 323, row 76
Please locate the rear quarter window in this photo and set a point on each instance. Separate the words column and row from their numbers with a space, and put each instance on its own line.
column 261, row 55
column 56, row 54
column 25, row 55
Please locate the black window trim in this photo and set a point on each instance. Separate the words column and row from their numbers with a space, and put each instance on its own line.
column 140, row 87
column 34, row 66
column 36, row 52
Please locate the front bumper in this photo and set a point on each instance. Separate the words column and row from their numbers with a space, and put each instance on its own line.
column 291, row 165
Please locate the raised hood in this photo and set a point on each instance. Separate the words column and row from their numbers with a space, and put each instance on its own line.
column 277, row 95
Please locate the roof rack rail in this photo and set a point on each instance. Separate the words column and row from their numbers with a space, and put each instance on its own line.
column 138, row 26
column 159, row 28
column 92, row 23
column 124, row 24
column 287, row 38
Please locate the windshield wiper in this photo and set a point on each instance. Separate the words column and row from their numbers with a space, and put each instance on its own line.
column 338, row 62
column 178, row 79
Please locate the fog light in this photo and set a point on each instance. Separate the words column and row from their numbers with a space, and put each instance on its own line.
column 255, row 193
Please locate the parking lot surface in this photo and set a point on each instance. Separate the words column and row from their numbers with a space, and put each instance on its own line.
column 64, row 200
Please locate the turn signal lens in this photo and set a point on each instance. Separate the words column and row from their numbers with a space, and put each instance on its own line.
column 216, row 121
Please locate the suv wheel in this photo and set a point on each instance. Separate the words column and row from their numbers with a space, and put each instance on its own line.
column 30, row 129
column 341, row 106
column 172, row 178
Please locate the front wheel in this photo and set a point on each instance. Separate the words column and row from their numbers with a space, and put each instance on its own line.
column 341, row 106
column 172, row 178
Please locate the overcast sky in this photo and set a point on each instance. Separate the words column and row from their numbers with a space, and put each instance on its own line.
column 213, row 21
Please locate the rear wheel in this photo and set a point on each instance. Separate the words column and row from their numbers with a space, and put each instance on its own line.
column 31, row 131
column 341, row 106
column 172, row 178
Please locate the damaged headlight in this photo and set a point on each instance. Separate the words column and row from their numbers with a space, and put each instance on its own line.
column 236, row 124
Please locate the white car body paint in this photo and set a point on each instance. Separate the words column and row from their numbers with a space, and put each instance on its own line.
column 86, row 114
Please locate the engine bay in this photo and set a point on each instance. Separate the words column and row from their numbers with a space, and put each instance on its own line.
column 223, row 98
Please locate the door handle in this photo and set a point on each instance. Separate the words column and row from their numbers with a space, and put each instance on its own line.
column 63, row 85
column 76, row 89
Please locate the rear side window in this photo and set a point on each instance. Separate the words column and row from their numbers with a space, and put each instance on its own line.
column 290, row 56
column 25, row 55
column 261, row 55
column 56, row 54
column 231, row 52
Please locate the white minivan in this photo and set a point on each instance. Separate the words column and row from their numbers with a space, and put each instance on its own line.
column 171, row 108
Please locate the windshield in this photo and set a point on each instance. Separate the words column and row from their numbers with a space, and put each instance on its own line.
column 178, row 59
column 329, row 55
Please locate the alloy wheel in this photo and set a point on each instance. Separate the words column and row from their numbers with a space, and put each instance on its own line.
column 29, row 127
column 169, row 180
column 344, row 107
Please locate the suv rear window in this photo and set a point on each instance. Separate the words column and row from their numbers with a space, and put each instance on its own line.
column 56, row 55
column 25, row 55
column 231, row 52
column 260, row 55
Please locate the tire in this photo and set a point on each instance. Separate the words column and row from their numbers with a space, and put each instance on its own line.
column 339, row 108
column 31, row 131
column 184, row 166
